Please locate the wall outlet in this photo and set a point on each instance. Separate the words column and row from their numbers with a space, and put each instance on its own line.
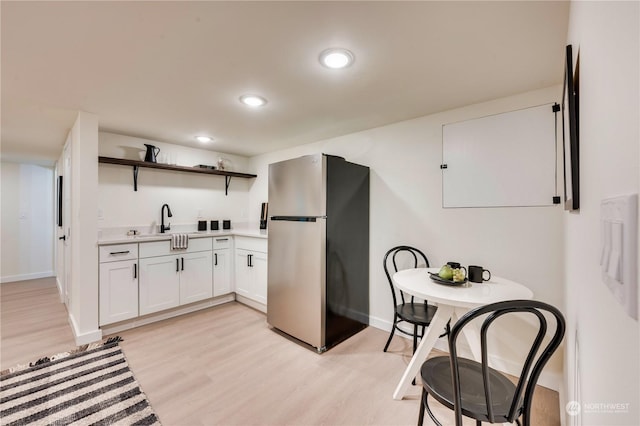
column 199, row 213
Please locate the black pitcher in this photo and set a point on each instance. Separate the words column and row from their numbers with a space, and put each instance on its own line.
column 152, row 153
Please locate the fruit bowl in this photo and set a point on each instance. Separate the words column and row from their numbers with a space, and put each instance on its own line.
column 438, row 279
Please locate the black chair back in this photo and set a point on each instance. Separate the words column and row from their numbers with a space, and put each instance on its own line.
column 533, row 365
column 391, row 261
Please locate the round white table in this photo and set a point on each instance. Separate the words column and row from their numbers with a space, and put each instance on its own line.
column 453, row 302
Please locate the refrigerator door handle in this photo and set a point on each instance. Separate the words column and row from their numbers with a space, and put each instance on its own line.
column 298, row 218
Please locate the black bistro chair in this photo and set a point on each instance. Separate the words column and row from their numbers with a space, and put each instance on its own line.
column 418, row 314
column 477, row 391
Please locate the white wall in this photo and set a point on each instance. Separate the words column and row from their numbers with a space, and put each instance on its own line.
column 83, row 303
column 607, row 370
column 27, row 222
column 523, row 244
column 189, row 195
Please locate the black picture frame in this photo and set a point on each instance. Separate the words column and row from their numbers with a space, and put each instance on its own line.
column 570, row 141
column 60, row 201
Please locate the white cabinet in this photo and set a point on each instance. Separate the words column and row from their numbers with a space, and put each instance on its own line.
column 251, row 268
column 167, row 281
column 159, row 283
column 196, row 275
column 222, row 266
column 118, row 291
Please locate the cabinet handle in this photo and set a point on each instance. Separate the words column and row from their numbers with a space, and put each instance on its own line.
column 120, row 252
column 215, row 259
column 135, row 270
column 249, row 258
column 182, row 263
column 177, row 265
column 222, row 239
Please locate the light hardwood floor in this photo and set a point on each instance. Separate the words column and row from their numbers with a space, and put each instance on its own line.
column 224, row 366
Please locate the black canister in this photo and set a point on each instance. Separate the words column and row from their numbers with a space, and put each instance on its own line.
column 214, row 225
column 202, row 225
column 226, row 224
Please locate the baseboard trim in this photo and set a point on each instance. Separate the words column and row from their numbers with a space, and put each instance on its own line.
column 25, row 277
column 83, row 338
column 159, row 316
column 548, row 379
column 251, row 303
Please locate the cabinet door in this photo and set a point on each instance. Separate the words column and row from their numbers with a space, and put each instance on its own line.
column 243, row 278
column 259, row 277
column 159, row 283
column 221, row 272
column 251, row 275
column 196, row 276
column 118, row 291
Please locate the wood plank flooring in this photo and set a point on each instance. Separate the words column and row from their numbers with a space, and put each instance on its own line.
column 225, row 366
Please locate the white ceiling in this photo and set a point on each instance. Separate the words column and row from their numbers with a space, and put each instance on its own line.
column 169, row 71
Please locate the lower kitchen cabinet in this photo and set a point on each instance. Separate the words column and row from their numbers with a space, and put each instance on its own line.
column 222, row 272
column 196, row 277
column 143, row 278
column 170, row 281
column 159, row 283
column 251, row 275
column 222, row 263
column 118, row 291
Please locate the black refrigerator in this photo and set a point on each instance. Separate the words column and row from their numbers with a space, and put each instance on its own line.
column 318, row 262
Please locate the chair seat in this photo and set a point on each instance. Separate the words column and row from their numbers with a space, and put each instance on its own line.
column 416, row 313
column 436, row 378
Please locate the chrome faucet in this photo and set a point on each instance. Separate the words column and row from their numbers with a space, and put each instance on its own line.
column 162, row 227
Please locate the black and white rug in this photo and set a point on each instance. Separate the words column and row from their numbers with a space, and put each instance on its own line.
column 91, row 385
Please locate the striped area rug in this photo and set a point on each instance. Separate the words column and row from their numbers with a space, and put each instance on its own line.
column 91, row 385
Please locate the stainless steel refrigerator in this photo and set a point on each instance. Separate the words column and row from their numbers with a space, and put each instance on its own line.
column 318, row 264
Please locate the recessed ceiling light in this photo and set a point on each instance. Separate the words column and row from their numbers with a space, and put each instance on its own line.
column 336, row 58
column 253, row 100
column 203, row 139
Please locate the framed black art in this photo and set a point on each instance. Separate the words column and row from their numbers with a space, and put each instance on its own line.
column 570, row 142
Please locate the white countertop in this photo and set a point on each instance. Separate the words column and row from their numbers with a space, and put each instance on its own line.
column 123, row 239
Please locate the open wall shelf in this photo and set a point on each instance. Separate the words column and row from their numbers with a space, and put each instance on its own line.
column 137, row 164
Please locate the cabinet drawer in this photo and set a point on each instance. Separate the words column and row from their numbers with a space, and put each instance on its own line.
column 116, row 252
column 155, row 248
column 221, row 242
column 253, row 244
column 163, row 248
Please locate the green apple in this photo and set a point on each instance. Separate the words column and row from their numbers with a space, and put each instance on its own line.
column 458, row 275
column 446, row 273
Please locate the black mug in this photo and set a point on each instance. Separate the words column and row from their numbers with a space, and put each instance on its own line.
column 476, row 274
column 214, row 225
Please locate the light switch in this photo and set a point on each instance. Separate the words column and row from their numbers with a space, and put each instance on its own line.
column 619, row 250
column 615, row 258
column 606, row 244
